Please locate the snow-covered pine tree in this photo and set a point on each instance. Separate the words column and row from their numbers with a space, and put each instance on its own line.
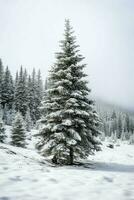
column 20, row 99
column 127, row 120
column 131, row 140
column 32, row 95
column 35, row 93
column 28, row 120
column 114, row 123
column 39, row 95
column 2, row 129
column 70, row 127
column 8, row 89
column 1, row 80
column 46, row 85
column 120, row 127
column 132, row 125
column 18, row 131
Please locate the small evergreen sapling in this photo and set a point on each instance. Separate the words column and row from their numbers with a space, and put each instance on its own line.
column 28, row 121
column 2, row 131
column 18, row 131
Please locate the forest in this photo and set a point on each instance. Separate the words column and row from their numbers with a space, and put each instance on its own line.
column 56, row 140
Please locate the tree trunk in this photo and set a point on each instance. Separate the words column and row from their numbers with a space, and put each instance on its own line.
column 54, row 159
column 71, row 156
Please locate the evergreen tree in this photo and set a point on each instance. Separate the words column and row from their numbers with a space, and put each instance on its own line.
column 120, row 127
column 113, row 115
column 39, row 95
column 1, row 80
column 46, row 85
column 32, row 95
column 28, row 120
column 70, row 126
column 18, row 131
column 123, row 136
column 21, row 94
column 106, row 128
column 16, row 79
column 7, row 90
column 114, row 123
column 132, row 126
column 127, row 123
column 131, row 140
column 35, row 93
column 2, row 129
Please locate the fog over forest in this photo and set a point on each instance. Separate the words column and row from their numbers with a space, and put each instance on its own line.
column 30, row 32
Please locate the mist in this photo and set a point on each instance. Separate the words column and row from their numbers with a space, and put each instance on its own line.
column 30, row 33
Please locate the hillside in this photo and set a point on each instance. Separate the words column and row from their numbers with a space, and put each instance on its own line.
column 107, row 175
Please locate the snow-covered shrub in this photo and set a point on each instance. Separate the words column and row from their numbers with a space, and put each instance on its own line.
column 18, row 131
column 28, row 121
column 131, row 140
column 2, row 131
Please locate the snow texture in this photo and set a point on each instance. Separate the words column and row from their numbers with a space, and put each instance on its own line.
column 109, row 175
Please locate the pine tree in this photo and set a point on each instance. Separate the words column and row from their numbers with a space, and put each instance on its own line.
column 120, row 128
column 32, row 95
column 70, row 126
column 39, row 95
column 21, row 94
column 2, row 129
column 113, row 115
column 114, row 123
column 46, row 85
column 132, row 126
column 35, row 93
column 127, row 119
column 18, row 131
column 1, row 80
column 8, row 90
column 42, row 108
column 16, row 79
column 131, row 140
column 28, row 120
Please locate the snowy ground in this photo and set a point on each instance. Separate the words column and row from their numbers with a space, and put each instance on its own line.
column 24, row 175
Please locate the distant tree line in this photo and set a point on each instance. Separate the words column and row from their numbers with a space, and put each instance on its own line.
column 117, row 125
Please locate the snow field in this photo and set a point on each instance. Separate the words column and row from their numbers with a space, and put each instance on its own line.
column 109, row 175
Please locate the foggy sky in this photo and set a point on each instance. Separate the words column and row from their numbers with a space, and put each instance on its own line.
column 30, row 31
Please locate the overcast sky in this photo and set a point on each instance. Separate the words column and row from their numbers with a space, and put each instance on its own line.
column 30, row 31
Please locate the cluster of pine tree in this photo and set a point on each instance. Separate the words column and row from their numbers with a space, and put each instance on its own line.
column 69, row 123
column 118, row 125
column 24, row 94
column 19, row 98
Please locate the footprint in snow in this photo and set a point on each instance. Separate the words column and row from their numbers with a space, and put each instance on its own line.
column 108, row 179
column 16, row 178
column 53, row 180
column 128, row 193
column 130, row 156
column 34, row 180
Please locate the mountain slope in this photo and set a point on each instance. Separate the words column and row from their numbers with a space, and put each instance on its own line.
column 26, row 175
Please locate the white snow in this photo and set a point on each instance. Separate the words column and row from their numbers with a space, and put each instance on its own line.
column 25, row 175
column 75, row 134
column 67, row 122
